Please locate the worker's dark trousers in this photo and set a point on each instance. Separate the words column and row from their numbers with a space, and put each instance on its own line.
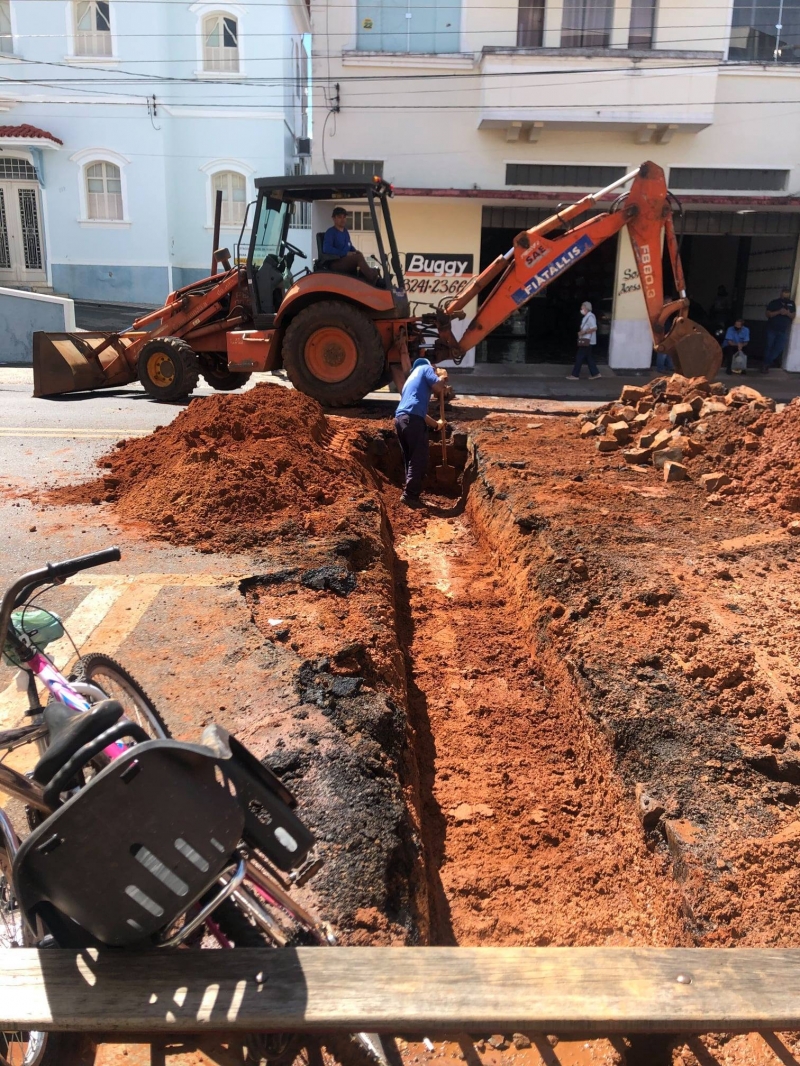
column 413, row 436
column 585, row 353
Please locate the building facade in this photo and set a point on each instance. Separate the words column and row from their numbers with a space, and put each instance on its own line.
column 122, row 120
column 485, row 116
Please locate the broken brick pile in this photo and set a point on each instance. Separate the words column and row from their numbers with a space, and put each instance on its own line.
column 731, row 441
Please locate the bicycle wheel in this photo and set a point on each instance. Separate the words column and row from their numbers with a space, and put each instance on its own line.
column 258, row 1049
column 116, row 683
column 20, row 1047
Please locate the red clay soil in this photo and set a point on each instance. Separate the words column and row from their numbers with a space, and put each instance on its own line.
column 599, row 669
column 674, row 627
column 232, row 473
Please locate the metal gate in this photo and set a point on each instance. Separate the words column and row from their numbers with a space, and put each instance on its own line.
column 21, row 245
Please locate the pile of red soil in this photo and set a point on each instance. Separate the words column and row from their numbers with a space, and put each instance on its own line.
column 232, row 472
column 761, row 451
column 736, row 432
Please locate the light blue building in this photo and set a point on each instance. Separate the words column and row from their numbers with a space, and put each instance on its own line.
column 122, row 119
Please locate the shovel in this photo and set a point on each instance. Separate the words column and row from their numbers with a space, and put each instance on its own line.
column 445, row 474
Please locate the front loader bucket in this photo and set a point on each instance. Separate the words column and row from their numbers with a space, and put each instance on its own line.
column 694, row 352
column 69, row 362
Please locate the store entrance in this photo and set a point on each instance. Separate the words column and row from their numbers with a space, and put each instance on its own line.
column 544, row 330
column 729, row 276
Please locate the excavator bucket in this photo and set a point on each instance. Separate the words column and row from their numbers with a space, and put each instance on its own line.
column 74, row 362
column 694, row 352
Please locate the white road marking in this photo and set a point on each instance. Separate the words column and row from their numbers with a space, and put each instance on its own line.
column 107, row 616
column 65, row 431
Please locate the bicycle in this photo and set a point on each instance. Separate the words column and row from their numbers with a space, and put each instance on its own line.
column 204, row 844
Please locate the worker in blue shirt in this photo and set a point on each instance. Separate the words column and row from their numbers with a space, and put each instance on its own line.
column 736, row 337
column 349, row 260
column 411, row 421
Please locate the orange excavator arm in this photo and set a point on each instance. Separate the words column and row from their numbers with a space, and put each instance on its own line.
column 535, row 260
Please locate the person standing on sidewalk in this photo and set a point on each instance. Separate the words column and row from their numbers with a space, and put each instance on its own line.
column 411, row 421
column 780, row 315
column 587, row 339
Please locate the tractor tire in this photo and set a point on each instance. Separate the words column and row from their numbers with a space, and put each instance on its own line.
column 223, row 380
column 168, row 368
column 333, row 353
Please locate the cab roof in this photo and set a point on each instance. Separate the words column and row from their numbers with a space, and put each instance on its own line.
column 309, row 187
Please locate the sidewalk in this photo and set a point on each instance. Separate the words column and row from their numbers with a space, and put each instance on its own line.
column 549, row 381
column 539, row 381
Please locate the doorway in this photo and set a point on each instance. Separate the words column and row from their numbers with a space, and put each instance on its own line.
column 21, row 245
column 750, row 269
column 545, row 329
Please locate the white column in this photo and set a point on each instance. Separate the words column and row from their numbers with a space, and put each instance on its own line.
column 553, row 15
column 791, row 357
column 620, row 24
column 631, row 342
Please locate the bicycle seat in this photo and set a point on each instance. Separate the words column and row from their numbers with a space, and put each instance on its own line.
column 121, row 859
column 70, row 730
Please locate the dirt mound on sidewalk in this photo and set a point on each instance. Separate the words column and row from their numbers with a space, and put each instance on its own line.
column 231, row 472
column 763, row 456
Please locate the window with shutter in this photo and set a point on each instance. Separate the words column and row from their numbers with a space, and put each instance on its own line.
column 234, row 195
column 92, row 28
column 6, row 39
column 221, row 43
column 104, row 192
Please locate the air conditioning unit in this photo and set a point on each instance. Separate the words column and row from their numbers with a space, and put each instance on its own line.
column 304, row 146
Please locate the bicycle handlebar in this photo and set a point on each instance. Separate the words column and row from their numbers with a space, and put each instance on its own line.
column 65, row 569
column 52, row 573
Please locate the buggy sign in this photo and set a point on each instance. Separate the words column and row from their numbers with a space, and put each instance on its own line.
column 438, row 273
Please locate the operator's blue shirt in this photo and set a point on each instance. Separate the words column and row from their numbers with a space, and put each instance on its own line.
column 416, row 393
column 737, row 336
column 337, row 242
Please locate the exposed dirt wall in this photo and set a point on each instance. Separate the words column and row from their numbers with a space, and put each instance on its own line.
column 662, row 625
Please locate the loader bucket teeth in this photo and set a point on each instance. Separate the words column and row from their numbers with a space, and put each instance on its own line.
column 68, row 362
column 694, row 352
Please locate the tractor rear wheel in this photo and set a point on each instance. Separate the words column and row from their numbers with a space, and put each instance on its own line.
column 333, row 353
column 217, row 375
column 168, row 368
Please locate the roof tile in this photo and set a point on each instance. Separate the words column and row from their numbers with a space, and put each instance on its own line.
column 28, row 131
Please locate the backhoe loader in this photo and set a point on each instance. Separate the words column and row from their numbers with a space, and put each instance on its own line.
column 338, row 337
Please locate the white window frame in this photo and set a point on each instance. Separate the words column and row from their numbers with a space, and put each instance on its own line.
column 72, row 57
column 85, row 158
column 219, row 166
column 201, row 11
column 13, row 23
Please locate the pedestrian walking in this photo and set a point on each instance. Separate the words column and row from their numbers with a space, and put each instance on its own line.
column 411, row 420
column 587, row 339
column 664, row 364
column 737, row 337
column 780, row 315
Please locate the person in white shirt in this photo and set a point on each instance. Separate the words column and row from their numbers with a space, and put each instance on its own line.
column 587, row 339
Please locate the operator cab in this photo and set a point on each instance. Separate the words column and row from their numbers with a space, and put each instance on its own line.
column 270, row 257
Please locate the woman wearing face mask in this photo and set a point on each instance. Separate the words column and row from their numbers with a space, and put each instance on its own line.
column 587, row 339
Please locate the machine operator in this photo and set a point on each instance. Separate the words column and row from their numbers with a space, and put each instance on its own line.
column 337, row 242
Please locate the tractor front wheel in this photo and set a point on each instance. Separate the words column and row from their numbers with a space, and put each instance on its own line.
column 168, row 368
column 333, row 353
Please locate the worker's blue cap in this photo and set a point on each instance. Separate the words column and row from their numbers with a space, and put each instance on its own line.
column 420, row 362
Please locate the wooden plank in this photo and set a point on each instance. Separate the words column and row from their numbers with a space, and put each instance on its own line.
column 395, row 990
